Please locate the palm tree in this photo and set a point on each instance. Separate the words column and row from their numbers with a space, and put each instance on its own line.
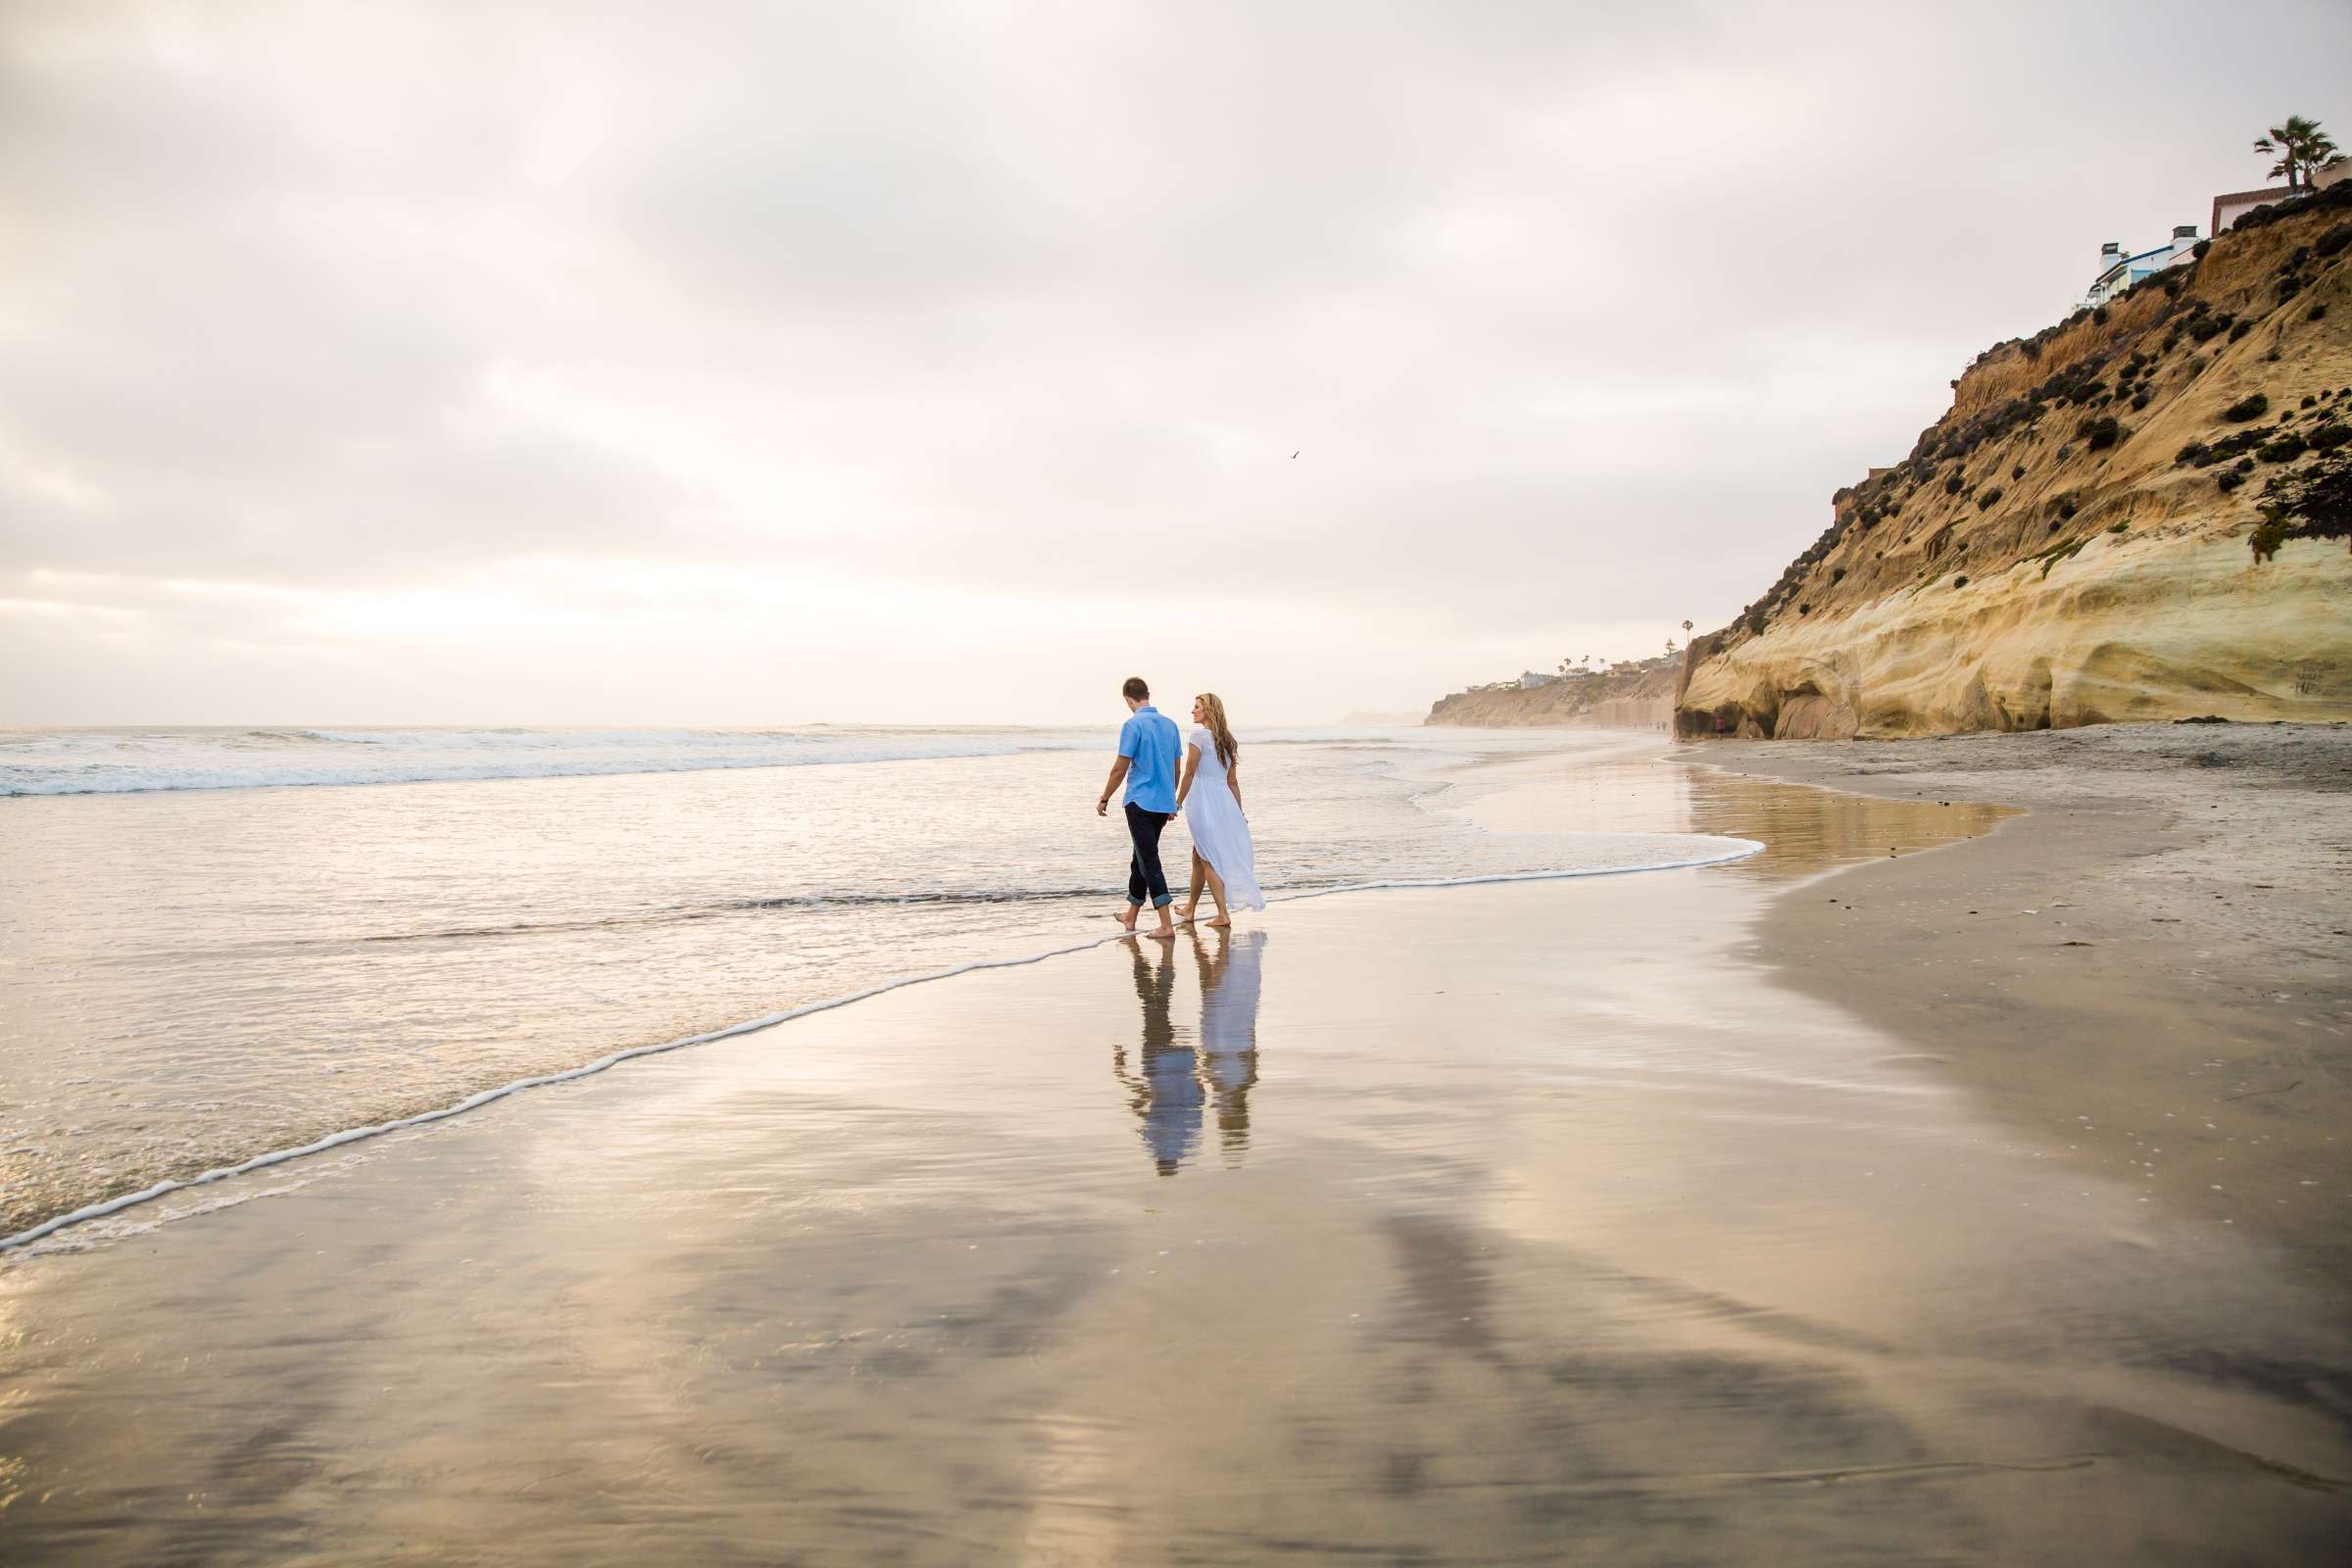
column 2303, row 149
column 1686, row 628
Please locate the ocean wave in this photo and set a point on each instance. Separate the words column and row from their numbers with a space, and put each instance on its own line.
column 128, row 761
column 294, row 758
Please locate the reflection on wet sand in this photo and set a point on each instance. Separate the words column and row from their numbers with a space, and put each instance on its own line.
column 1162, row 1088
column 1172, row 1080
column 1232, row 976
column 1804, row 830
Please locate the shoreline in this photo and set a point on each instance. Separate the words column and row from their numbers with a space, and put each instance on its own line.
column 342, row 1138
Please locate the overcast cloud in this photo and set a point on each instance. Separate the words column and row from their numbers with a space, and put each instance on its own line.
column 741, row 363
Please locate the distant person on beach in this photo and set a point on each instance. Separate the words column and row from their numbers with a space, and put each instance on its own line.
column 1147, row 747
column 1222, row 853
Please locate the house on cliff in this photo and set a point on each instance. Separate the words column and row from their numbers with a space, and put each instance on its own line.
column 2230, row 206
column 2117, row 272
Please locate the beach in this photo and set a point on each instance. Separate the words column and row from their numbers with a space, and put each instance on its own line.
column 1659, row 1215
column 2157, row 956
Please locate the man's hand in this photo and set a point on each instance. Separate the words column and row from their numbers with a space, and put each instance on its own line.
column 1111, row 785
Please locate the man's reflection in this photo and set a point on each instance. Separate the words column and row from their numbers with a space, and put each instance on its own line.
column 1167, row 1094
column 1173, row 1083
column 1229, row 986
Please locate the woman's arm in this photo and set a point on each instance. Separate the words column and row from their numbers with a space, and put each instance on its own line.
column 1191, row 765
column 1233, row 780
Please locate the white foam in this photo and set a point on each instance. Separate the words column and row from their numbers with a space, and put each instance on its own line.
column 1731, row 848
column 116, row 761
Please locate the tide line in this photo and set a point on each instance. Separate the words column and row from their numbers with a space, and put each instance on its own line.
column 1741, row 848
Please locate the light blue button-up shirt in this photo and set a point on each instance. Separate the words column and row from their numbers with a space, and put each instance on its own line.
column 1150, row 742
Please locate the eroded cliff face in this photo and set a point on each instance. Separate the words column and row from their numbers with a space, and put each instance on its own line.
column 1640, row 699
column 2071, row 544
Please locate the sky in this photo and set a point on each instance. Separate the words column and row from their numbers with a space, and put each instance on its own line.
column 764, row 364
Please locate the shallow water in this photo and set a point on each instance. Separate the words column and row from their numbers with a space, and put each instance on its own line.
column 193, row 974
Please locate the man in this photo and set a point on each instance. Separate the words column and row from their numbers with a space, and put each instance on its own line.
column 1148, row 746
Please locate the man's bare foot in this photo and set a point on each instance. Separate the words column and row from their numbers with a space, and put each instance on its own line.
column 1184, row 916
column 1225, row 924
column 1166, row 931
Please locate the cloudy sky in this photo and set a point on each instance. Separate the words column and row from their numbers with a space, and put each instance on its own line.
column 711, row 363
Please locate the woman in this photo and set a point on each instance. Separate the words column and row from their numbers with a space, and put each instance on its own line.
column 1221, row 851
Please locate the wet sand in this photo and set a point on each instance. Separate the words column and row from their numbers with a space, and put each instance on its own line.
column 2150, row 974
column 1525, row 1223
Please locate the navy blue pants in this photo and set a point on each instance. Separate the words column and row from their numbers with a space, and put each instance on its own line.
column 1145, row 878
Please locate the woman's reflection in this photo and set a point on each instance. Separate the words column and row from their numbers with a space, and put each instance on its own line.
column 1229, row 987
column 1174, row 1082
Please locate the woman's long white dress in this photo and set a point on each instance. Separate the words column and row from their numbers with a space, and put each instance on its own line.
column 1219, row 830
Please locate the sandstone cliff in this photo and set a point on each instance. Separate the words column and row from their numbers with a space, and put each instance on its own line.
column 2141, row 514
column 1638, row 698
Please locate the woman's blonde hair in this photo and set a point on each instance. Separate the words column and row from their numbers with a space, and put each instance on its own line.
column 1221, row 732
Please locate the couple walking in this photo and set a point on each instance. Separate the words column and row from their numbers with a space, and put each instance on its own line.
column 1208, row 793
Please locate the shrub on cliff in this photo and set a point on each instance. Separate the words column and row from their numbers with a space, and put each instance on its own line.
column 2101, row 432
column 2066, row 505
column 2248, row 407
column 2335, row 240
column 2330, row 436
column 2229, row 479
column 2284, row 448
column 2206, row 327
column 2314, row 502
column 1987, row 501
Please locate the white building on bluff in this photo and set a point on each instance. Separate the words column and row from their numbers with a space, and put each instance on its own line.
column 2117, row 272
column 2230, row 206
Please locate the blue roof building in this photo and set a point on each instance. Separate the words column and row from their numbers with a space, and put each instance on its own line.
column 2117, row 272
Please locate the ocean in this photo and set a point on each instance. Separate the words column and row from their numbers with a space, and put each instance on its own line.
column 220, row 945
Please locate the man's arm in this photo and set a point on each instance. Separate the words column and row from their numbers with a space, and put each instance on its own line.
column 1118, row 771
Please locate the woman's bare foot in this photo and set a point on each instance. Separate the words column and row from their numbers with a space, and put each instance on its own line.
column 1126, row 918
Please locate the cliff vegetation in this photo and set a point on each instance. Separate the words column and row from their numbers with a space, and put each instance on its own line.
column 2138, row 514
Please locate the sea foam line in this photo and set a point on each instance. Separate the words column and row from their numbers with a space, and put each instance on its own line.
column 352, row 1135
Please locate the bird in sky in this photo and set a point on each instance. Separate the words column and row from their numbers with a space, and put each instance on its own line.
column 1293, row 456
